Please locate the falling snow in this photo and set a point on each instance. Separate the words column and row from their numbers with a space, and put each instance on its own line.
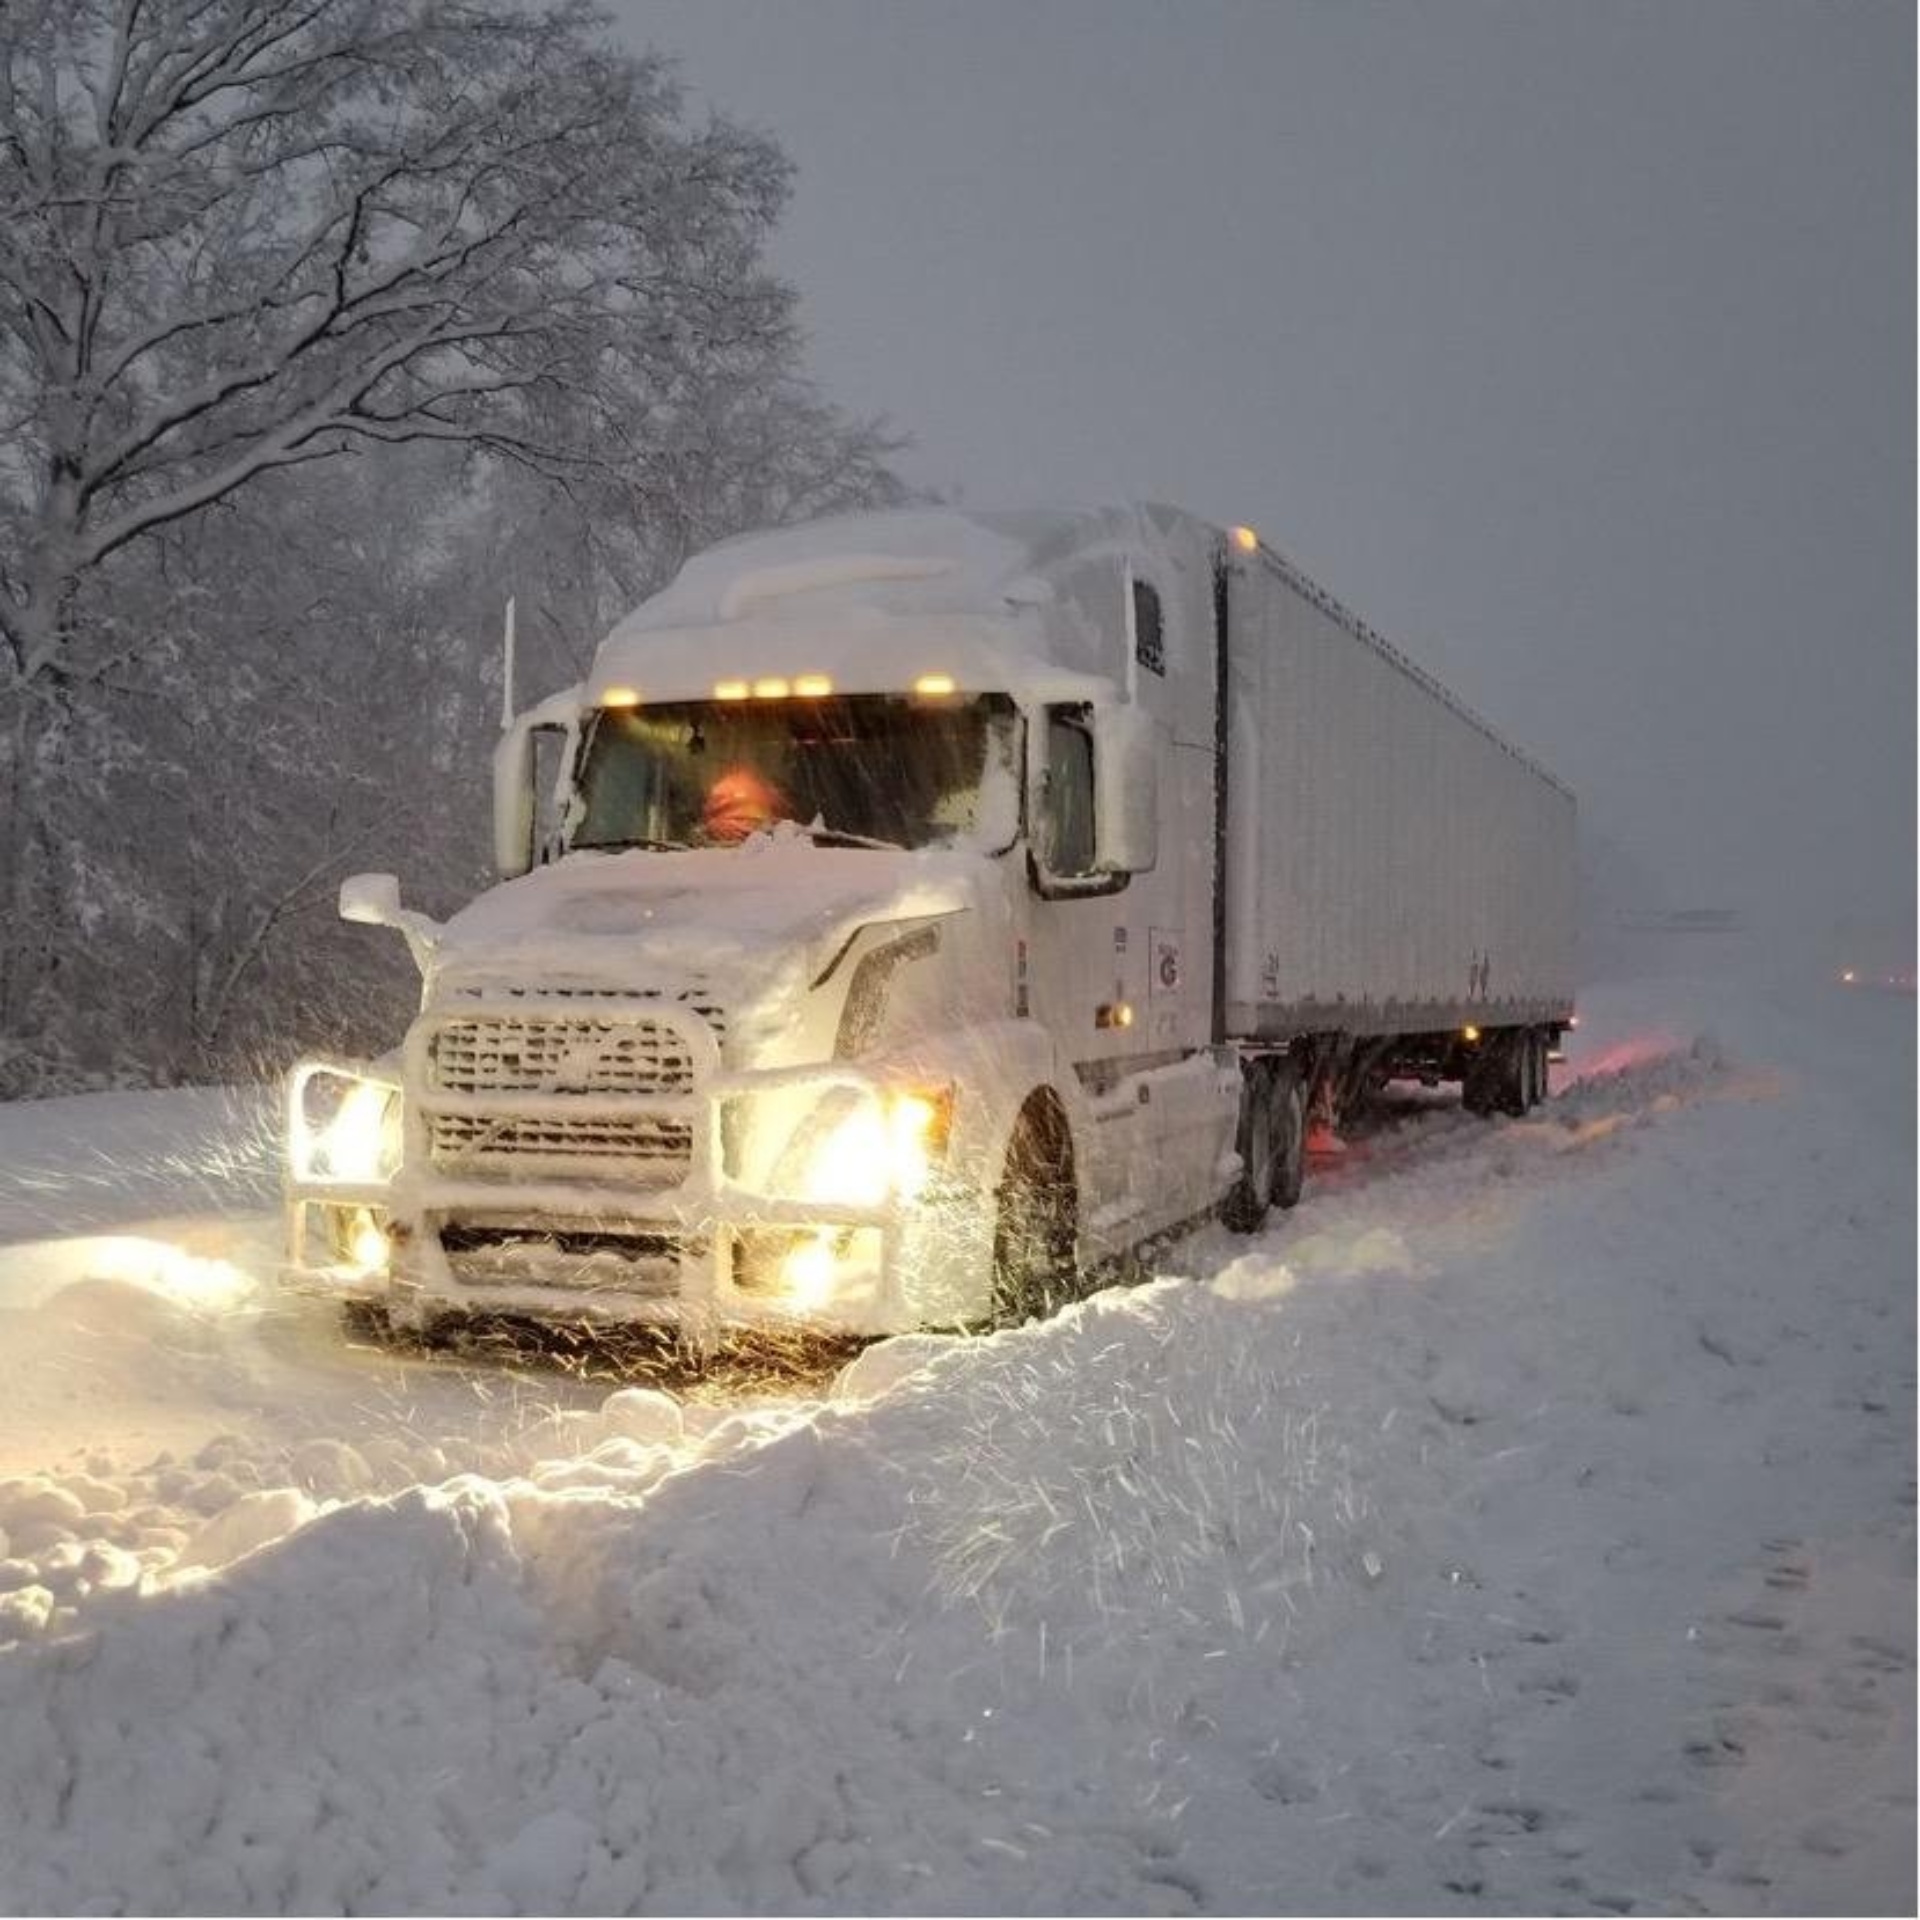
column 1525, row 1523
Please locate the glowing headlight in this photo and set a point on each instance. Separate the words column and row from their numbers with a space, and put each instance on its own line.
column 343, row 1237
column 354, row 1145
column 368, row 1241
column 806, row 1274
column 881, row 1149
column 917, row 1128
column 356, row 1139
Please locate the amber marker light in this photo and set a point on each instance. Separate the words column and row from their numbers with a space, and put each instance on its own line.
column 771, row 688
column 1246, row 539
column 933, row 686
column 813, row 686
column 620, row 697
column 1469, row 1033
column 731, row 690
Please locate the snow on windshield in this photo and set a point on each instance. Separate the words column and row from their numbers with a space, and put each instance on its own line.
column 867, row 769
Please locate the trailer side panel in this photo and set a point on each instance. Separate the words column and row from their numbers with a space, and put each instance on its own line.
column 1392, row 864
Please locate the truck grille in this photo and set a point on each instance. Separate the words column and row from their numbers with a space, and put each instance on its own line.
column 513, row 1053
column 564, row 1002
column 642, row 1146
column 595, row 1086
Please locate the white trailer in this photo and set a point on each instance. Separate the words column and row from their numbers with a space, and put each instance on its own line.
column 924, row 908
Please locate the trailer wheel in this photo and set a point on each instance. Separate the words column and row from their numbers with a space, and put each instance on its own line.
column 1036, row 1229
column 1290, row 1135
column 1477, row 1092
column 1496, row 1078
column 1250, row 1196
column 1536, row 1043
column 1272, row 1143
column 1513, row 1079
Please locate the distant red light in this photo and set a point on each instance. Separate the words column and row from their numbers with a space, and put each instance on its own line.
column 1616, row 1056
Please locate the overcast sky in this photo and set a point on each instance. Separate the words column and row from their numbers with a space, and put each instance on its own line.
column 1572, row 345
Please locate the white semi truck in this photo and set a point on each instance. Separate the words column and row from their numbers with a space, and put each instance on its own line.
column 922, row 908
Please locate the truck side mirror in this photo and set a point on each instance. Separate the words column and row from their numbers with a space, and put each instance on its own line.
column 1127, row 776
column 370, row 899
column 513, row 799
column 373, row 900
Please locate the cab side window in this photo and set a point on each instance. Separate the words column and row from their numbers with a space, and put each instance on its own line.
column 1068, row 847
column 1149, row 644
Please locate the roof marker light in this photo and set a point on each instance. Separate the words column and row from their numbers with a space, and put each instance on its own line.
column 1246, row 539
column 731, row 689
column 620, row 697
column 773, row 687
column 932, row 686
column 813, row 686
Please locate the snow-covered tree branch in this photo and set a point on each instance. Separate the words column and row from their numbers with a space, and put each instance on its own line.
column 242, row 234
column 324, row 324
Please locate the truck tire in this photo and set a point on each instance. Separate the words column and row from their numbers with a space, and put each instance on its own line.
column 1476, row 1089
column 1536, row 1046
column 1272, row 1144
column 1036, row 1230
column 1495, row 1080
column 1290, row 1135
column 1244, row 1209
column 1514, row 1079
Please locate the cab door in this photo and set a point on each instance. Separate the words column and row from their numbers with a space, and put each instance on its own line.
column 1088, row 978
column 1170, row 673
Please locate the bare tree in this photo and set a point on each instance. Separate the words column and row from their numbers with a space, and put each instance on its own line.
column 238, row 237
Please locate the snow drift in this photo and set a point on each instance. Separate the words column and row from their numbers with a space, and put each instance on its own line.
column 1526, row 1522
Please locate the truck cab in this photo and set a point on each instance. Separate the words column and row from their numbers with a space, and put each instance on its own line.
column 851, row 970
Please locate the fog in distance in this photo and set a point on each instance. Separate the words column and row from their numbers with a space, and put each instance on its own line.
column 1574, row 347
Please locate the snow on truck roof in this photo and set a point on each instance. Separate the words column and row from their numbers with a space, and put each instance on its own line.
column 990, row 600
column 855, row 570
column 925, row 561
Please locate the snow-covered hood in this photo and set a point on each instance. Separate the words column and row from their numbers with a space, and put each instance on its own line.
column 736, row 917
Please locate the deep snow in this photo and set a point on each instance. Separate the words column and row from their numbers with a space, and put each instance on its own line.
column 1526, row 1523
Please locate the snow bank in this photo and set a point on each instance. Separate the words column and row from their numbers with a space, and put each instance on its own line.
column 94, row 1161
column 802, row 1661
column 1526, row 1523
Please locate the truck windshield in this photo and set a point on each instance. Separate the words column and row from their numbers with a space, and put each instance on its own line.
column 855, row 770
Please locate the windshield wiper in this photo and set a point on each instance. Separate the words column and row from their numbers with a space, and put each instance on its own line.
column 621, row 846
column 823, row 836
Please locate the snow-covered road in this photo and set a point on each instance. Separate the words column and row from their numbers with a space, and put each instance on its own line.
column 1526, row 1523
